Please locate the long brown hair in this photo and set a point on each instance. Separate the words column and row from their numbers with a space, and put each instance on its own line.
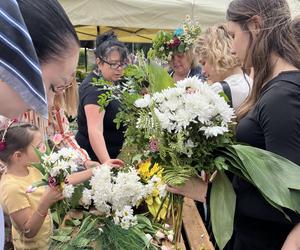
column 296, row 28
column 275, row 36
column 68, row 100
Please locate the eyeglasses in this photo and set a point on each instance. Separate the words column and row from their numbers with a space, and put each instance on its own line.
column 115, row 65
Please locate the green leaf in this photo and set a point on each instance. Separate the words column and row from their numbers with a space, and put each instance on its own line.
column 141, row 235
column 61, row 238
column 40, row 183
column 81, row 242
column 137, row 158
column 181, row 48
column 144, row 220
column 159, row 78
column 76, row 196
column 67, row 231
column 222, row 207
column 273, row 175
column 39, row 166
column 55, row 217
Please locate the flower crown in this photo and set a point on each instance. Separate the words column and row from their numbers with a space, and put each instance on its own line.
column 5, row 128
column 165, row 44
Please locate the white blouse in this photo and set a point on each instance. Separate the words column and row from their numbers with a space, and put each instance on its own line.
column 239, row 86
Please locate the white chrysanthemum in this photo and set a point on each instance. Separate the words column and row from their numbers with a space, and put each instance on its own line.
column 192, row 82
column 127, row 189
column 213, row 131
column 143, row 102
column 86, row 197
column 68, row 191
column 102, row 188
column 125, row 217
column 176, row 108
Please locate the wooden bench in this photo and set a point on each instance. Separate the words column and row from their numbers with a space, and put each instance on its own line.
column 196, row 236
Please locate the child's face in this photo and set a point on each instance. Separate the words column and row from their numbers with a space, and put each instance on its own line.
column 30, row 154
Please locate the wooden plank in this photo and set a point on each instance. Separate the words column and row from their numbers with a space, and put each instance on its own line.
column 195, row 230
column 181, row 244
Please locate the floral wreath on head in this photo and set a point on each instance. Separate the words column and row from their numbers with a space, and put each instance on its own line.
column 165, row 44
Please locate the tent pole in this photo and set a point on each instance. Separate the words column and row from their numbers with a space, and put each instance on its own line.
column 85, row 59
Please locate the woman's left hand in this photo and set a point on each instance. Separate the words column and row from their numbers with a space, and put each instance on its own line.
column 194, row 188
column 90, row 164
column 114, row 163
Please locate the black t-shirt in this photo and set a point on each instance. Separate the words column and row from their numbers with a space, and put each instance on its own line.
column 114, row 138
column 274, row 125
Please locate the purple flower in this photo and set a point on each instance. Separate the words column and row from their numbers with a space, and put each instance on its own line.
column 153, row 145
column 177, row 42
column 52, row 181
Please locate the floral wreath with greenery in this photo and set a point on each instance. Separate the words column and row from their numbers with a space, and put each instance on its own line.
column 165, row 44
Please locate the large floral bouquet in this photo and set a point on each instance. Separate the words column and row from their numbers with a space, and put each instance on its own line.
column 111, row 223
column 186, row 124
column 55, row 165
column 165, row 44
column 186, row 128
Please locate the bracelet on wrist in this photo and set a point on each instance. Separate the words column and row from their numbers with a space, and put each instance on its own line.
column 41, row 214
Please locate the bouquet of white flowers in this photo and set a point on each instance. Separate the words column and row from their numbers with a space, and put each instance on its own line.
column 186, row 129
column 115, row 194
column 111, row 197
column 187, row 124
column 55, row 166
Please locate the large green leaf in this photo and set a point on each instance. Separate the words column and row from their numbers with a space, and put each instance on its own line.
column 270, row 173
column 222, row 207
column 159, row 78
column 286, row 170
column 74, row 201
column 39, row 166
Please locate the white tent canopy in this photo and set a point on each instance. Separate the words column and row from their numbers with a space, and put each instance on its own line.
column 139, row 20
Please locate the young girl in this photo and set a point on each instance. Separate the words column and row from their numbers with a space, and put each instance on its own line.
column 29, row 212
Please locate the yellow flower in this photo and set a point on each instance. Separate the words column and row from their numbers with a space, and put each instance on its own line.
column 146, row 171
column 155, row 192
column 143, row 170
